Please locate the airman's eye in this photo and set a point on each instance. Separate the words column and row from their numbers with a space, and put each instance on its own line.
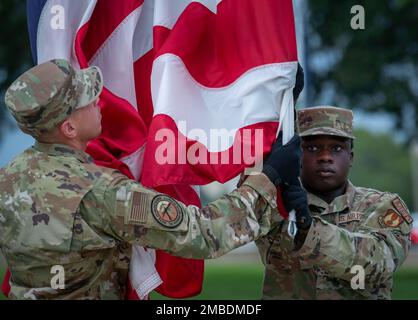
column 336, row 148
column 311, row 148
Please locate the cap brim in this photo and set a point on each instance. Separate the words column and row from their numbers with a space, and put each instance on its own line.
column 326, row 131
column 90, row 82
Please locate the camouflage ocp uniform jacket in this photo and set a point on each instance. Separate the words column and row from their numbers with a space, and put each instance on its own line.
column 57, row 208
column 363, row 232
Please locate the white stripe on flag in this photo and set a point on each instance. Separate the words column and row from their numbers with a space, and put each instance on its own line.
column 59, row 43
column 167, row 12
column 143, row 36
column 115, row 59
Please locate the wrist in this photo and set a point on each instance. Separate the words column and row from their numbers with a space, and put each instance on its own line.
column 304, row 221
column 272, row 174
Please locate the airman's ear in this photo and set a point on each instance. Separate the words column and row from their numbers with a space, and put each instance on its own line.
column 68, row 128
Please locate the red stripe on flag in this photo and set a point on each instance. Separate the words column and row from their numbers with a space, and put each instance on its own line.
column 155, row 174
column 5, row 287
column 142, row 74
column 106, row 17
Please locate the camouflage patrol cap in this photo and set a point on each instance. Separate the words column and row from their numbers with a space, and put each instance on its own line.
column 325, row 120
column 47, row 94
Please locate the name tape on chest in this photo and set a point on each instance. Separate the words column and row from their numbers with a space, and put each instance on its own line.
column 350, row 217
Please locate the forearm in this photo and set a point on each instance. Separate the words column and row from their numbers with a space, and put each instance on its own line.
column 145, row 217
column 338, row 250
column 223, row 225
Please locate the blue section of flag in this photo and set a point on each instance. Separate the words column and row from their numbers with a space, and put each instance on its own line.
column 33, row 11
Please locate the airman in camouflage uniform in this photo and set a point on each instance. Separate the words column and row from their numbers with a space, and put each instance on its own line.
column 58, row 208
column 351, row 226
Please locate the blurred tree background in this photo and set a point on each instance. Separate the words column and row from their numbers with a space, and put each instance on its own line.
column 15, row 55
column 382, row 164
column 373, row 70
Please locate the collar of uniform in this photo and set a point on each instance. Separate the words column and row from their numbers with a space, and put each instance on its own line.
column 337, row 205
column 53, row 149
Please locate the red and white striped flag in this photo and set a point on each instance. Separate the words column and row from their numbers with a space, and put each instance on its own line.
column 179, row 76
column 222, row 72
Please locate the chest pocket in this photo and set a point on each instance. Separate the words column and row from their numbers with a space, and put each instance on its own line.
column 328, row 217
column 318, row 212
column 279, row 253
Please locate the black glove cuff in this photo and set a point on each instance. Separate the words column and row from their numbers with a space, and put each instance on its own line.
column 272, row 174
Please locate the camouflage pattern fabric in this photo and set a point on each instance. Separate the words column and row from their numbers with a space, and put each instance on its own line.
column 363, row 227
column 58, row 208
column 325, row 120
column 47, row 94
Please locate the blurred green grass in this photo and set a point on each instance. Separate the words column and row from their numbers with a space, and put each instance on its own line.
column 228, row 282
column 405, row 285
column 244, row 281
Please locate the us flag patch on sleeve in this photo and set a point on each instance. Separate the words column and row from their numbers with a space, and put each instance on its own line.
column 140, row 206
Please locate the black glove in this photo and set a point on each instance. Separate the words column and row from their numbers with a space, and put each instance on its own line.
column 295, row 197
column 282, row 166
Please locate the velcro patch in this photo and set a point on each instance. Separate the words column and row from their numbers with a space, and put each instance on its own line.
column 390, row 219
column 350, row 217
column 121, row 194
column 140, row 205
column 402, row 209
column 166, row 211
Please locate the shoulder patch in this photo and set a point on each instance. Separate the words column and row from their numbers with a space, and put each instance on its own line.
column 390, row 219
column 139, row 207
column 402, row 209
column 166, row 211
